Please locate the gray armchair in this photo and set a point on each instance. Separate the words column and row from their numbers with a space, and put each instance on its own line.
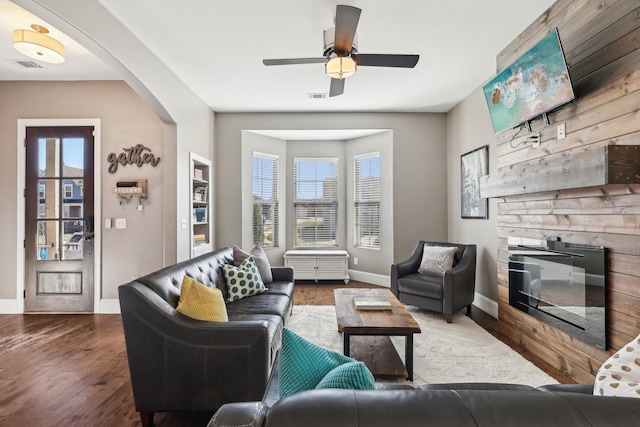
column 447, row 294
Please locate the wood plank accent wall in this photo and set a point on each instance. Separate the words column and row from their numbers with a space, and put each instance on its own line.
column 601, row 40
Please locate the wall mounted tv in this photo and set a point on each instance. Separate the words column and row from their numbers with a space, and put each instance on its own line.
column 535, row 84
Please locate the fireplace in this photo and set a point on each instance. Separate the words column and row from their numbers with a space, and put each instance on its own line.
column 562, row 284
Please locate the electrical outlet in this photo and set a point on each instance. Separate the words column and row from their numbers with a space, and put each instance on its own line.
column 121, row 222
column 535, row 142
column 561, row 131
column 355, row 261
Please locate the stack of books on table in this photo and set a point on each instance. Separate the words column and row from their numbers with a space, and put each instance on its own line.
column 199, row 239
column 371, row 303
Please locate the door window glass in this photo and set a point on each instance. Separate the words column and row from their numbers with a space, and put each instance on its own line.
column 48, row 243
column 60, row 198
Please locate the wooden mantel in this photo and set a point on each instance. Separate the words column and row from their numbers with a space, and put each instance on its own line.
column 611, row 164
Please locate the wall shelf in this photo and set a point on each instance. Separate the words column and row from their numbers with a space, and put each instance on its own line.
column 200, row 185
column 611, row 164
column 127, row 190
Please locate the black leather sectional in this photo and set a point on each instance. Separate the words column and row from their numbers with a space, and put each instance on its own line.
column 181, row 364
column 443, row 405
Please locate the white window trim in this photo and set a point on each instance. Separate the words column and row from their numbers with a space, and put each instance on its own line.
column 67, row 188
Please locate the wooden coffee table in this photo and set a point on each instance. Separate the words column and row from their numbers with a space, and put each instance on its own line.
column 371, row 330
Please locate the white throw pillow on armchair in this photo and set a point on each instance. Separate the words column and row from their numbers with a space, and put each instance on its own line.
column 620, row 374
column 437, row 259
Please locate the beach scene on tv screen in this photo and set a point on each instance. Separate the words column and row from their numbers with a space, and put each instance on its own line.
column 536, row 83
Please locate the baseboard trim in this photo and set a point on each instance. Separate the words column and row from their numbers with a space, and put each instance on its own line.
column 112, row 306
column 371, row 278
column 107, row 306
column 9, row 306
column 487, row 305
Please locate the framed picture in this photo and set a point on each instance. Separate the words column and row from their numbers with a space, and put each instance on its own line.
column 473, row 165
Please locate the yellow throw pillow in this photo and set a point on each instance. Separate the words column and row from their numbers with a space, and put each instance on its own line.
column 201, row 302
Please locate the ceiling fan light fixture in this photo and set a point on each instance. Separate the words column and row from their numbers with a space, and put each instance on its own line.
column 37, row 45
column 340, row 67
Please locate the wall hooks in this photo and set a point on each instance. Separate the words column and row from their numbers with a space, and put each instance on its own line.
column 127, row 190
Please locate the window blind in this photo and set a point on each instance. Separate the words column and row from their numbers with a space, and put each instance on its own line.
column 367, row 200
column 265, row 200
column 315, row 202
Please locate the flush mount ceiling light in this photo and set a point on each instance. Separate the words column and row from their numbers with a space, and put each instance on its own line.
column 37, row 45
column 340, row 67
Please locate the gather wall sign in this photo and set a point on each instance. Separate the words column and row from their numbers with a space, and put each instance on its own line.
column 136, row 155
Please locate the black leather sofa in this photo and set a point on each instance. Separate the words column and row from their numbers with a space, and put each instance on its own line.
column 181, row 364
column 444, row 405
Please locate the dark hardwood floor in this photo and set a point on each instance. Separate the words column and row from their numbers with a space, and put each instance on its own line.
column 71, row 370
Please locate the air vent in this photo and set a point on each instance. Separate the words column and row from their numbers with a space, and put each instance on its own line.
column 316, row 95
column 27, row 64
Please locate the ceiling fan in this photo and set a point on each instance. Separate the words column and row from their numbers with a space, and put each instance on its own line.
column 341, row 54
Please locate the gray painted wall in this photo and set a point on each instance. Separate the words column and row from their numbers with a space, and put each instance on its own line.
column 426, row 156
column 469, row 127
column 374, row 261
column 126, row 120
column 419, row 164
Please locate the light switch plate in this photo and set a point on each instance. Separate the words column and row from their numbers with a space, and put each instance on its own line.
column 107, row 223
column 121, row 222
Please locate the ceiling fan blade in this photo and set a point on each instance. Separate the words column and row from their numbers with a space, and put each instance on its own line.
column 384, row 60
column 347, row 18
column 294, row 61
column 337, row 87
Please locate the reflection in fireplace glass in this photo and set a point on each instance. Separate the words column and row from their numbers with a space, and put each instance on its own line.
column 562, row 284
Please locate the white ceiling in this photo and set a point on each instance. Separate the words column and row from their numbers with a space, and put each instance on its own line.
column 217, row 48
column 80, row 64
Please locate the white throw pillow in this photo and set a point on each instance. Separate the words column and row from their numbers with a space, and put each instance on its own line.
column 437, row 259
column 619, row 375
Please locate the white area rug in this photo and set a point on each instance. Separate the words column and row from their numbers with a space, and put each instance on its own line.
column 443, row 353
